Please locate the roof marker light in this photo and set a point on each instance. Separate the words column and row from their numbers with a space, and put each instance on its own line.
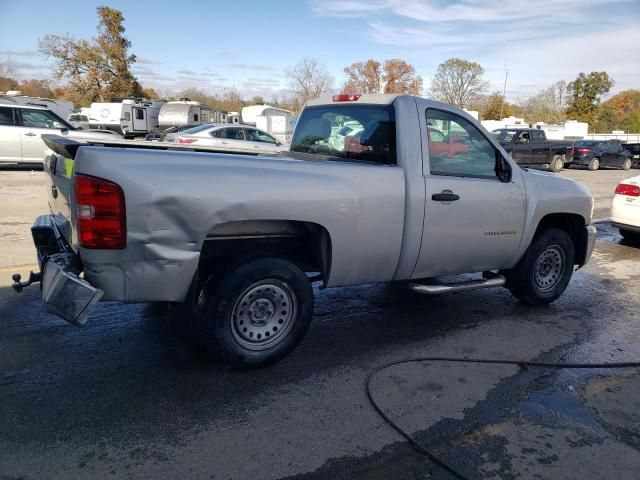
column 345, row 97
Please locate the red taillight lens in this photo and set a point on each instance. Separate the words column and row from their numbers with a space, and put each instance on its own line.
column 100, row 213
column 628, row 190
column 186, row 140
column 344, row 97
column 583, row 150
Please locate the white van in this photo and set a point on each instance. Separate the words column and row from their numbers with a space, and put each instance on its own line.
column 22, row 125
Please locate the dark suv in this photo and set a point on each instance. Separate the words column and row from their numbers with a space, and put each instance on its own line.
column 600, row 153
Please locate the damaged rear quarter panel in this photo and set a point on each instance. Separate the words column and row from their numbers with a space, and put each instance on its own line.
column 173, row 199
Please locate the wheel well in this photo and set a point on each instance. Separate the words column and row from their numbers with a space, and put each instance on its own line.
column 571, row 223
column 306, row 244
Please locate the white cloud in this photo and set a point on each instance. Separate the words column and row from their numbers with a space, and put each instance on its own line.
column 461, row 10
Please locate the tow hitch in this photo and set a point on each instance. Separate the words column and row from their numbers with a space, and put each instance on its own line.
column 18, row 285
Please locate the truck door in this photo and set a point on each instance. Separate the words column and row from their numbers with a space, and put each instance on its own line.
column 539, row 147
column 139, row 119
column 10, row 136
column 473, row 220
column 521, row 152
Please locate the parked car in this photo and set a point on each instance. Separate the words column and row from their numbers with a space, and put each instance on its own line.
column 230, row 137
column 625, row 208
column 600, row 153
column 171, row 132
column 79, row 121
column 21, row 127
column 529, row 146
column 235, row 243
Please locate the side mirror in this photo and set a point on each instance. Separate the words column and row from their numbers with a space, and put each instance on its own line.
column 503, row 169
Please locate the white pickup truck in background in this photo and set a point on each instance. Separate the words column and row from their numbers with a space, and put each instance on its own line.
column 418, row 192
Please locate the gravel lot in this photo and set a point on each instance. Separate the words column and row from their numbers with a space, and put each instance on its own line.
column 123, row 398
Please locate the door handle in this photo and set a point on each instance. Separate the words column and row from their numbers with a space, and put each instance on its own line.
column 445, row 196
column 30, row 134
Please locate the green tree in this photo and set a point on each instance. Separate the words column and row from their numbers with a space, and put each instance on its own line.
column 458, row 82
column 620, row 112
column 98, row 68
column 495, row 107
column 584, row 95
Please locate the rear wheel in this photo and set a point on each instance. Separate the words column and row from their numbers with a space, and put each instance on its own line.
column 594, row 164
column 557, row 163
column 543, row 274
column 258, row 314
column 627, row 164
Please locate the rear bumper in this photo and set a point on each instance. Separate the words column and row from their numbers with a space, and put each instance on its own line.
column 64, row 293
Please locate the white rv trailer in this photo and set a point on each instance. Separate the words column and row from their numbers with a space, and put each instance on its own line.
column 62, row 108
column 184, row 112
column 130, row 117
column 276, row 121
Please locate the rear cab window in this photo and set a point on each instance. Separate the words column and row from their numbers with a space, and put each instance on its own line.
column 352, row 132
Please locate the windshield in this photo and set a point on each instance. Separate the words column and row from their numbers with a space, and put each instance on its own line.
column 504, row 135
column 353, row 131
column 197, row 129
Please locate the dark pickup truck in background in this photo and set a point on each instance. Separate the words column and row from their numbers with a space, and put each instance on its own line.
column 529, row 146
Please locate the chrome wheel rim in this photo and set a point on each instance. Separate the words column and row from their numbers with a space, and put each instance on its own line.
column 264, row 314
column 549, row 268
column 559, row 164
column 596, row 163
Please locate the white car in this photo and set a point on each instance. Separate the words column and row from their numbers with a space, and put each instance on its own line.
column 21, row 127
column 229, row 137
column 625, row 209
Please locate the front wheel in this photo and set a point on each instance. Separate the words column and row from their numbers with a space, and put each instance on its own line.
column 257, row 314
column 543, row 274
column 627, row 164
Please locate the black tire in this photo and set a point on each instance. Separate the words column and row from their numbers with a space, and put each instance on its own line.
column 630, row 236
column 257, row 314
column 540, row 278
column 628, row 163
column 594, row 164
column 557, row 163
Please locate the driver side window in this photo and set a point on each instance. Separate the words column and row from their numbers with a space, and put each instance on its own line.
column 457, row 148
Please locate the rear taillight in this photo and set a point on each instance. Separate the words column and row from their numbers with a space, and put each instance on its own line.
column 628, row 190
column 583, row 151
column 186, row 140
column 100, row 213
column 344, row 97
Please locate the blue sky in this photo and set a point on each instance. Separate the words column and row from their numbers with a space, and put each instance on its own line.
column 248, row 44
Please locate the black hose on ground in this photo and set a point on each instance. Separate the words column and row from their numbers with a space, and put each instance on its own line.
column 520, row 363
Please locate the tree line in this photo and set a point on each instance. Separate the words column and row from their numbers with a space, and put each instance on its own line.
column 100, row 68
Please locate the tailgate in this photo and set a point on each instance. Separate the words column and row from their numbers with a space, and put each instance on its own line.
column 58, row 164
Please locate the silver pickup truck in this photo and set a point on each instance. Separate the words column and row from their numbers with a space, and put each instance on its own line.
column 376, row 188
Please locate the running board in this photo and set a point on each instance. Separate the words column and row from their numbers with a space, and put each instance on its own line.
column 494, row 281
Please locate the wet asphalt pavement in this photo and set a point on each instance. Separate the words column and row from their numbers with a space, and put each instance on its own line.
column 123, row 397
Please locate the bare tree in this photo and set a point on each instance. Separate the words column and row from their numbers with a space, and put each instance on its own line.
column 395, row 76
column 7, row 67
column 458, row 82
column 309, row 79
